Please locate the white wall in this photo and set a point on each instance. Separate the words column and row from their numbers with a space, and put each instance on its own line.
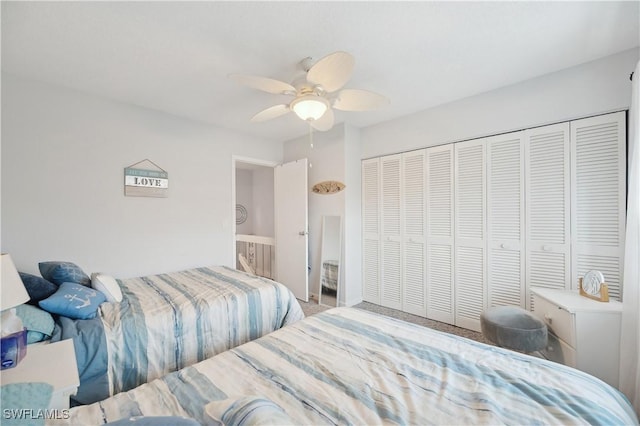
column 244, row 197
column 262, row 215
column 593, row 88
column 63, row 155
column 351, row 272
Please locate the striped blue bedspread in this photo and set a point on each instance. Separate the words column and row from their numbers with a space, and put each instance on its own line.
column 348, row 366
column 170, row 321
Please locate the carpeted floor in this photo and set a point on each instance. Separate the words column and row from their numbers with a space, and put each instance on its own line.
column 312, row 308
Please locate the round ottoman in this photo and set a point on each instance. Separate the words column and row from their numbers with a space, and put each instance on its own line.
column 514, row 328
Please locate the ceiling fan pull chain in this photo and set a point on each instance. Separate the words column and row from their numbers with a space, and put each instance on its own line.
column 310, row 142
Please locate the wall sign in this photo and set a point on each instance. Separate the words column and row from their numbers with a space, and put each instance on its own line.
column 145, row 179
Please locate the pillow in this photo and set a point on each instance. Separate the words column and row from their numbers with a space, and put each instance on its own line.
column 63, row 272
column 247, row 411
column 155, row 421
column 74, row 301
column 33, row 396
column 107, row 285
column 39, row 323
column 37, row 287
column 36, row 336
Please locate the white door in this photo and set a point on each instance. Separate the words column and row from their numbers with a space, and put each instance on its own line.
column 391, row 282
column 598, row 183
column 547, row 244
column 440, row 230
column 470, row 233
column 291, row 227
column 371, row 231
column 505, row 220
column 413, row 226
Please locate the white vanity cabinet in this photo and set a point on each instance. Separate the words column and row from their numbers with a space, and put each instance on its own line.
column 583, row 333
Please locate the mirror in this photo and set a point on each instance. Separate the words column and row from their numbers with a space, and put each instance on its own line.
column 330, row 260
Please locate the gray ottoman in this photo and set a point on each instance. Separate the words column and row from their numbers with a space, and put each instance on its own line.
column 514, row 328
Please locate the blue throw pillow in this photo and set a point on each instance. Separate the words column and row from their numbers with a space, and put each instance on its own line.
column 39, row 323
column 74, row 301
column 63, row 272
column 37, row 287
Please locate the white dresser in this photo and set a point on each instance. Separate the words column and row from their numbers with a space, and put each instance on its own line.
column 583, row 333
column 53, row 363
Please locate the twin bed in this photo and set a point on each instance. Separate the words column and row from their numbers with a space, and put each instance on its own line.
column 169, row 321
column 348, row 366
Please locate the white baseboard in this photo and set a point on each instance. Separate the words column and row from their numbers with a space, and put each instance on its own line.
column 351, row 302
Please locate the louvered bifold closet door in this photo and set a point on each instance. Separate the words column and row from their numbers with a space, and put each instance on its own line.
column 391, row 277
column 371, row 230
column 440, row 226
column 470, row 233
column 547, row 207
column 413, row 226
column 598, row 198
column 505, row 220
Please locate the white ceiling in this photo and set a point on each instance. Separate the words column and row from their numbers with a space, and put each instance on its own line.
column 175, row 56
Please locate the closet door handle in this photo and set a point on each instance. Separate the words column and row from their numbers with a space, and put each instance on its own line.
column 303, row 233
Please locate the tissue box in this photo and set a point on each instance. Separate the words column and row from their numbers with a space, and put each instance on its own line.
column 14, row 348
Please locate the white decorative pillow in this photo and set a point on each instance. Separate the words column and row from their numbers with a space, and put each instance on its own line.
column 107, row 285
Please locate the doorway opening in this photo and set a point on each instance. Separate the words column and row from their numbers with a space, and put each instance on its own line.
column 254, row 236
column 270, row 211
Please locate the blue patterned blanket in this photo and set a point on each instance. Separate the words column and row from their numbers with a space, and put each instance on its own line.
column 170, row 321
column 347, row 366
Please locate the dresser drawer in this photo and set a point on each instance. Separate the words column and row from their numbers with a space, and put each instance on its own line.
column 559, row 321
column 558, row 351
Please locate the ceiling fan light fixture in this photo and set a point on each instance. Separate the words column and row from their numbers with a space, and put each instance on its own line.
column 310, row 107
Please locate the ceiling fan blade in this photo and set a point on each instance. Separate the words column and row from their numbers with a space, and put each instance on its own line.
column 265, row 84
column 271, row 112
column 359, row 100
column 332, row 72
column 325, row 122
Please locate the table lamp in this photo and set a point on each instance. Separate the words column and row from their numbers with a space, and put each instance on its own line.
column 12, row 294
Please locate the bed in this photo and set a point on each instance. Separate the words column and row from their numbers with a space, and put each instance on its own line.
column 169, row 321
column 349, row 366
column 330, row 274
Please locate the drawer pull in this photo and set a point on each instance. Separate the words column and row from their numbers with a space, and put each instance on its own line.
column 548, row 318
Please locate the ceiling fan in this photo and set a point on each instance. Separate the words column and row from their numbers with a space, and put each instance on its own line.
column 316, row 93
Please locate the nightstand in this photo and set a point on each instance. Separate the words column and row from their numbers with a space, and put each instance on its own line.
column 583, row 333
column 53, row 363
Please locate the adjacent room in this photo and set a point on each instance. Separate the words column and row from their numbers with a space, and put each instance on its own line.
column 256, row 212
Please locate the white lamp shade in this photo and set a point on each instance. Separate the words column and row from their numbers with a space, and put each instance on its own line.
column 12, row 290
column 310, row 107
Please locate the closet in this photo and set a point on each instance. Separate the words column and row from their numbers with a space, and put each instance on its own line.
column 449, row 231
column 393, row 229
